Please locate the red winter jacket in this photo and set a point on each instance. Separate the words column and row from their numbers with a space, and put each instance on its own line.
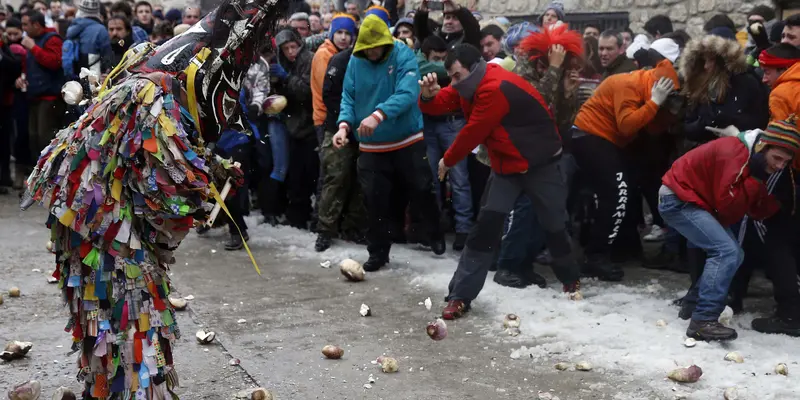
column 517, row 137
column 716, row 177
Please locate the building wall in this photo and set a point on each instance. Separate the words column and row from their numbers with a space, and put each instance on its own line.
column 685, row 14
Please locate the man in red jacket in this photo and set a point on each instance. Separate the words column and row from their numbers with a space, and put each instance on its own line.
column 524, row 148
column 713, row 187
column 42, row 81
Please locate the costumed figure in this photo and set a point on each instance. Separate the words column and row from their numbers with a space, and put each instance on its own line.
column 126, row 182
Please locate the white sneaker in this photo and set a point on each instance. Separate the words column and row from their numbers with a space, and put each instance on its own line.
column 656, row 234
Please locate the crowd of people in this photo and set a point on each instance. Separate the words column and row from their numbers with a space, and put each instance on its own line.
column 380, row 126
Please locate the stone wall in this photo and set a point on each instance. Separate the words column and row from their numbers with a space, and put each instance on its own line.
column 685, row 14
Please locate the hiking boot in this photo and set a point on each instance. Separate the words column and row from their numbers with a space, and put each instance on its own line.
column 687, row 308
column 710, row 331
column 455, row 309
column 202, row 229
column 777, row 325
column 323, row 243
column 602, row 268
column 460, row 242
column 236, row 242
column 438, row 245
column 510, row 279
column 375, row 262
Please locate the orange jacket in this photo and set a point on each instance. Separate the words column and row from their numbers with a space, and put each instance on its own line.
column 319, row 66
column 784, row 99
column 621, row 105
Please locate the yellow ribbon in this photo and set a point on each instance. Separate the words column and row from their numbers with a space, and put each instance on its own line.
column 191, row 73
column 221, row 202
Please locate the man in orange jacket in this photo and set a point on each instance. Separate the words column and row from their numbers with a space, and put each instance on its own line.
column 620, row 108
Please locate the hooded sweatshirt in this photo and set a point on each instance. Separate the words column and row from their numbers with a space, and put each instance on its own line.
column 387, row 90
column 621, row 106
column 784, row 99
column 318, row 68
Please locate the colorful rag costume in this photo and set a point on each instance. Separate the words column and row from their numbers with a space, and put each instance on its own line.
column 126, row 182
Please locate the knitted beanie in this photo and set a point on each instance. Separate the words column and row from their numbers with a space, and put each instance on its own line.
column 343, row 21
column 782, row 134
column 379, row 12
column 558, row 7
column 89, row 8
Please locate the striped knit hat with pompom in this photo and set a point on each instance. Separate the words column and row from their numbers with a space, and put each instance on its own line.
column 783, row 134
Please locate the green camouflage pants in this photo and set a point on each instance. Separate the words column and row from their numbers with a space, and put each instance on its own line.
column 341, row 199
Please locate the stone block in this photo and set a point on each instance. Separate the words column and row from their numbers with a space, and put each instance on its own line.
column 678, row 13
column 694, row 27
column 726, row 6
column 705, row 5
column 623, row 5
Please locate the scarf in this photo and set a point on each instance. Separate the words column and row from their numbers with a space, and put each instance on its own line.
column 467, row 87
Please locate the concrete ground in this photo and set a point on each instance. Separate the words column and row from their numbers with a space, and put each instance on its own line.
column 291, row 313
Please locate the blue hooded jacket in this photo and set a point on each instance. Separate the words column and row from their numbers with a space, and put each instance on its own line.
column 92, row 37
column 390, row 86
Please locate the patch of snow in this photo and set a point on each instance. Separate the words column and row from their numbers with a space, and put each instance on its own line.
column 614, row 328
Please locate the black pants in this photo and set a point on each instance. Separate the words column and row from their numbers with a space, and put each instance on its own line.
column 604, row 168
column 301, row 182
column 547, row 190
column 478, row 177
column 381, row 174
column 238, row 201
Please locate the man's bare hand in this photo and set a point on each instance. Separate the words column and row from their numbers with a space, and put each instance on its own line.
column 429, row 86
column 340, row 139
column 28, row 43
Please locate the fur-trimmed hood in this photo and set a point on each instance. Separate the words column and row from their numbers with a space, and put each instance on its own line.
column 731, row 52
column 699, row 86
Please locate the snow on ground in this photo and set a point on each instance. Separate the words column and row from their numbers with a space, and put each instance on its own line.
column 614, row 327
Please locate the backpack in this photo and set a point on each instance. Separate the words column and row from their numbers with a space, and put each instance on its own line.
column 70, row 58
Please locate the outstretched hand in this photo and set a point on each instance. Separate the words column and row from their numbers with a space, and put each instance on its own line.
column 429, row 85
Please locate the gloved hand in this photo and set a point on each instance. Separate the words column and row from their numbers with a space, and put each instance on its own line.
column 277, row 71
column 759, row 34
column 758, row 167
column 661, row 90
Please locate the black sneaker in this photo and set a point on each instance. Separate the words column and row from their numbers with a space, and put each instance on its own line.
column 777, row 325
column 323, row 242
column 235, row 243
column 460, row 242
column 438, row 246
column 375, row 262
column 510, row 279
column 202, row 229
column 710, row 331
column 602, row 268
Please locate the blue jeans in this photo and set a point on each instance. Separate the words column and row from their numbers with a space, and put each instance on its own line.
column 523, row 239
column 724, row 255
column 279, row 142
column 439, row 136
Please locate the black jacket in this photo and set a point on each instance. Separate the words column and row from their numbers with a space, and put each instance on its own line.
column 745, row 106
column 10, row 69
column 622, row 64
column 471, row 32
column 297, row 89
column 333, row 86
